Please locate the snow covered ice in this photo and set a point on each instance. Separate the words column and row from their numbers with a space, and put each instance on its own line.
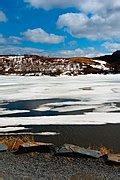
column 85, row 99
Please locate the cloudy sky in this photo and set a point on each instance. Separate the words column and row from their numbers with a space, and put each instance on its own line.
column 60, row 27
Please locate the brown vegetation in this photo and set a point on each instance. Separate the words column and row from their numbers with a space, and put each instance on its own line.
column 83, row 60
column 39, row 65
column 13, row 142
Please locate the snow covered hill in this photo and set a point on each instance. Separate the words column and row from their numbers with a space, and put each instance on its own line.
column 39, row 65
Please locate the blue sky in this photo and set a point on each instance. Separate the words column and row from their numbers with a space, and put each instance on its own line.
column 59, row 27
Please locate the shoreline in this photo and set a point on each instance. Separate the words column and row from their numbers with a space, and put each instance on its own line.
column 45, row 166
column 82, row 135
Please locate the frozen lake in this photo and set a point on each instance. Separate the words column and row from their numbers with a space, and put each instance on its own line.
column 87, row 99
column 29, row 104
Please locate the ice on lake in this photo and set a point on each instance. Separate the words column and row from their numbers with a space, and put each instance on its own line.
column 44, row 100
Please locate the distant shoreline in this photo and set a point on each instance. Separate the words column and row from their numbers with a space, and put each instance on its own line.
column 35, row 65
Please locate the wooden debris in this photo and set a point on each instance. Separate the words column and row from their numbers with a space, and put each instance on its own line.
column 35, row 144
column 36, row 147
column 114, row 158
column 26, row 143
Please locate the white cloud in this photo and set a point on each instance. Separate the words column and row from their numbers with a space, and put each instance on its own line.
column 111, row 46
column 38, row 35
column 99, row 6
column 84, row 5
column 14, row 40
column 9, row 40
column 102, row 24
column 95, row 27
column 19, row 50
column 79, row 52
column 50, row 4
column 3, row 17
column 2, row 39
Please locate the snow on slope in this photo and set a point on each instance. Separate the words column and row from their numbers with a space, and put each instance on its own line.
column 35, row 65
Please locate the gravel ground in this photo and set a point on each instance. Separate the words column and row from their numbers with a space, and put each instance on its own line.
column 47, row 167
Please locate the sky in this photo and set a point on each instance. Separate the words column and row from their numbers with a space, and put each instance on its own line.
column 62, row 28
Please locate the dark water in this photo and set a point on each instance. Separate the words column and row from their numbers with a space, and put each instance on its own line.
column 85, row 136
column 31, row 105
column 88, row 135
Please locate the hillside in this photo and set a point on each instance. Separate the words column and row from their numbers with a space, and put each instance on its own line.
column 113, row 59
column 40, row 65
